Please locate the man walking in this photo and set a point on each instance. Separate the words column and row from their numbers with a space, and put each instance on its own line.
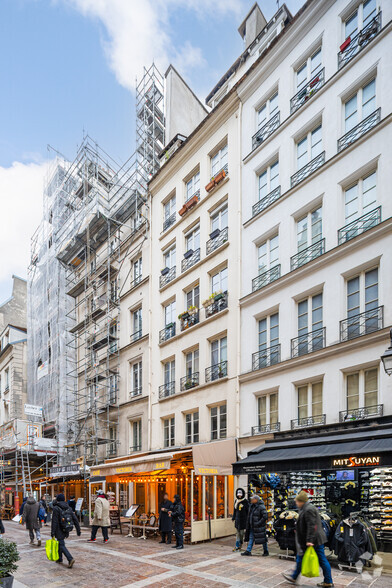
column 30, row 518
column 240, row 517
column 310, row 533
column 63, row 521
column 256, row 532
column 165, row 522
column 177, row 513
column 101, row 517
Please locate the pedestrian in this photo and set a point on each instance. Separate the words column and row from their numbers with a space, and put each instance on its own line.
column 42, row 513
column 256, row 532
column 30, row 518
column 101, row 517
column 177, row 514
column 310, row 533
column 72, row 503
column 240, row 516
column 165, row 521
column 22, row 505
column 63, row 521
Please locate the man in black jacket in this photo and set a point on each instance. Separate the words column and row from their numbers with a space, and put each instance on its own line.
column 310, row 533
column 60, row 511
column 240, row 517
column 177, row 513
column 165, row 522
column 256, row 532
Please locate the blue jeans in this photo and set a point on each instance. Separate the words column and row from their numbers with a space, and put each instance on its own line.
column 252, row 541
column 324, row 564
column 63, row 550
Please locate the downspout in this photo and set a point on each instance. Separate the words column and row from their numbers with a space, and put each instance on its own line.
column 239, row 272
column 150, row 288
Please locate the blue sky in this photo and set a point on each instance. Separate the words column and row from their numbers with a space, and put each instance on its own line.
column 69, row 66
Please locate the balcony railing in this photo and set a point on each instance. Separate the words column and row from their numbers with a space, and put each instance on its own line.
column 266, row 357
column 136, row 392
column 168, row 277
column 359, row 414
column 306, row 255
column 189, row 320
column 191, row 260
column 167, row 390
column 190, row 381
column 217, row 241
column 360, row 225
column 217, row 371
column 308, row 422
column 266, row 201
column 360, row 41
column 266, row 130
column 169, row 221
column 360, row 129
column 362, row 324
column 307, row 92
column 135, row 448
column 219, row 302
column 263, row 429
column 266, row 278
column 308, row 169
column 136, row 281
column 167, row 333
column 308, row 342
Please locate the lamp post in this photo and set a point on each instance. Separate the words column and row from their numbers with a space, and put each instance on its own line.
column 386, row 358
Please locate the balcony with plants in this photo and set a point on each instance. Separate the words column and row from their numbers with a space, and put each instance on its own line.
column 308, row 91
column 189, row 318
column 360, row 414
column 190, row 381
column 216, row 372
column 168, row 274
column 217, row 178
column 215, row 303
column 191, row 257
column 190, row 203
column 266, row 130
column 217, row 238
column 353, row 45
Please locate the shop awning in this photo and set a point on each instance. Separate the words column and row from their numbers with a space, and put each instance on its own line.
column 214, row 458
column 320, row 452
column 137, row 465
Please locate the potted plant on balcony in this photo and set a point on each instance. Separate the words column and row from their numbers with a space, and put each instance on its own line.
column 345, row 44
column 210, row 184
column 192, row 202
column 183, row 210
column 169, row 325
column 218, row 295
column 184, row 315
column 9, row 555
column 215, row 234
column 189, row 384
column 208, row 301
column 165, row 271
column 188, row 254
column 192, row 310
column 220, row 176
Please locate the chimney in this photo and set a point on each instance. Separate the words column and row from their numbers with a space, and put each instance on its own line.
column 252, row 25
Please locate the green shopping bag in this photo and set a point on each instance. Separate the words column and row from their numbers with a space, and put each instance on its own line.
column 52, row 549
column 310, row 564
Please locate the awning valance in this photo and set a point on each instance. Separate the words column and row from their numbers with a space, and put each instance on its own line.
column 214, row 458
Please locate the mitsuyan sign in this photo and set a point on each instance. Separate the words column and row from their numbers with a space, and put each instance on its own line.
column 352, row 462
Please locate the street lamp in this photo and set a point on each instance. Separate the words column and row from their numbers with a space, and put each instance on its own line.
column 386, row 358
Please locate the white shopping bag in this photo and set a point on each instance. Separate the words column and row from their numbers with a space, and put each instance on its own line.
column 17, row 518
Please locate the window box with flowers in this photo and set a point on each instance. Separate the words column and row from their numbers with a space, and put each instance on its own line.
column 212, row 298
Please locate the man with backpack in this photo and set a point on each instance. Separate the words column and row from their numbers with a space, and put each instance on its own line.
column 63, row 522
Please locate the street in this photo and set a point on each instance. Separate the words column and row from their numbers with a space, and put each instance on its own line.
column 127, row 562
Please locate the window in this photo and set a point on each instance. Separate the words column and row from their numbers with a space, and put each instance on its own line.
column 169, row 372
column 310, row 400
column 362, row 389
column 192, row 427
column 137, row 270
column 192, row 239
column 219, row 281
column 268, row 180
column 218, row 422
column 309, row 229
column 360, row 18
column 112, row 448
column 269, row 331
column 267, row 110
column 170, row 313
column 136, row 435
column 219, row 160
column 169, row 432
column 136, row 378
column 114, row 289
column 308, row 70
column 309, row 147
column 137, row 323
column 169, row 257
column 267, row 409
column 191, row 363
column 192, row 297
column 7, row 378
column 192, row 186
column 362, row 296
column 136, row 220
column 113, row 338
column 360, row 106
column 268, row 254
column 219, row 351
column 113, row 388
column 310, row 323
column 169, row 208
column 219, row 219
column 360, row 198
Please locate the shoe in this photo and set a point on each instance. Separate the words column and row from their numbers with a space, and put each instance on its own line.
column 39, row 543
column 174, row 546
column 91, row 540
column 180, row 547
column 71, row 563
column 105, row 540
column 265, row 554
column 169, row 542
column 246, row 553
column 162, row 542
column 236, row 548
column 32, row 542
column 59, row 561
column 290, row 579
column 325, row 585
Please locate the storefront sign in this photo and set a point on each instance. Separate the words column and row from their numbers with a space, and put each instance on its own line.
column 124, row 470
column 354, row 461
column 206, row 471
column 66, row 470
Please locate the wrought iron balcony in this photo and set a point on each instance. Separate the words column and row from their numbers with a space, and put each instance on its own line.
column 266, row 130
column 359, row 414
column 136, row 335
column 136, row 281
column 135, row 448
column 263, row 429
column 360, row 129
column 217, row 241
column 266, row 357
column 189, row 261
column 167, row 277
column 266, row 278
column 308, row 169
column 357, row 43
column 308, row 342
column 136, row 392
column 167, row 390
column 362, row 324
column 190, row 381
column 360, row 225
column 167, row 333
column 308, row 422
column 216, row 304
column 189, row 319
column 306, row 255
column 217, row 371
column 266, row 201
column 169, row 221
column 307, row 91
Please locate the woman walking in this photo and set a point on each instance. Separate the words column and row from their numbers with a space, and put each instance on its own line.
column 101, row 517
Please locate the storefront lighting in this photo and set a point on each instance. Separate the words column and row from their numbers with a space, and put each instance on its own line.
column 386, row 357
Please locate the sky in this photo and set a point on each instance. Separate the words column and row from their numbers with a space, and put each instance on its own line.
column 69, row 67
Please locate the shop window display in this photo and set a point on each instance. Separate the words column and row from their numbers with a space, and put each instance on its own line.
column 197, row 498
column 209, row 497
column 220, row 497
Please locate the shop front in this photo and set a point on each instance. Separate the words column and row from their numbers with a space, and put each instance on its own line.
column 200, row 475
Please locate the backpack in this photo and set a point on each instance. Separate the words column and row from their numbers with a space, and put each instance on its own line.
column 66, row 520
column 41, row 513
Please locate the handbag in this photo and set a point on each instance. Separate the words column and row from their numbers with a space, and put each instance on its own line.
column 310, row 564
column 52, row 549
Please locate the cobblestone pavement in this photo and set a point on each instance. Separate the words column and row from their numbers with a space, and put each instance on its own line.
column 124, row 562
